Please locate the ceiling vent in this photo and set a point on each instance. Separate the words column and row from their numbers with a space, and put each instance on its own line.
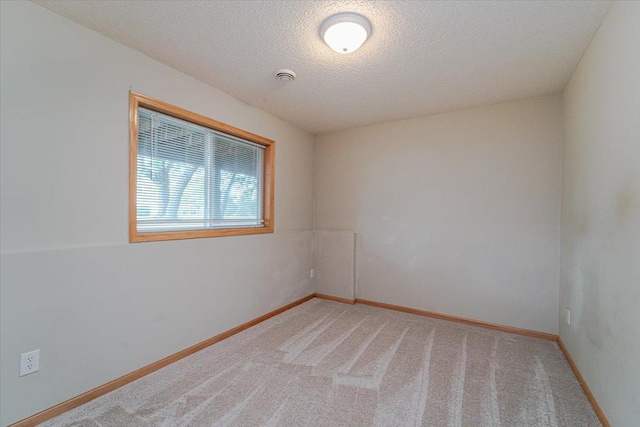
column 285, row 75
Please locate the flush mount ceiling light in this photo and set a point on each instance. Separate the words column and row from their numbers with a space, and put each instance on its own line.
column 345, row 32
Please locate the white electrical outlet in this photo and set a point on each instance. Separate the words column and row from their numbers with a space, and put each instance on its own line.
column 29, row 362
column 312, row 273
column 567, row 314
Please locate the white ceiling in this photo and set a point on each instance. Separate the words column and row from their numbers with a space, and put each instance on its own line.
column 422, row 57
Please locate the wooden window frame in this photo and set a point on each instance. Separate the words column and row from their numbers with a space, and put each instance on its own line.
column 137, row 100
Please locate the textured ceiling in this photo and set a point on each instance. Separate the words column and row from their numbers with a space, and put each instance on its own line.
column 422, row 57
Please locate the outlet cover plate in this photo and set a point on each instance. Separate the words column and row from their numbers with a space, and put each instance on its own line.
column 29, row 362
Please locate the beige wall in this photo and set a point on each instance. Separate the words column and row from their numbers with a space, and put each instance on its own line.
column 71, row 285
column 600, row 268
column 335, row 263
column 456, row 213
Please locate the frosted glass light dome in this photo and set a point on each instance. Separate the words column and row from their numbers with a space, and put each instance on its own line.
column 345, row 32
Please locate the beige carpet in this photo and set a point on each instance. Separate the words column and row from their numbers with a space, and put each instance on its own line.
column 330, row 364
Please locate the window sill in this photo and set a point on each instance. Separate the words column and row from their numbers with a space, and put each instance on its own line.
column 136, row 237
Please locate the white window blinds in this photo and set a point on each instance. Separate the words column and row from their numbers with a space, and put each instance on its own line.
column 192, row 177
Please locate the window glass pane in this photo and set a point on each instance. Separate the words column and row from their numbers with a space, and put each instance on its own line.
column 238, row 173
column 193, row 177
column 192, row 201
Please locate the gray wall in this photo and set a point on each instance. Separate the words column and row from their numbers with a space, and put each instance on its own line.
column 457, row 213
column 71, row 285
column 600, row 273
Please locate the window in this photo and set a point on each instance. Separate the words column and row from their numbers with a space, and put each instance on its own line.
column 191, row 176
